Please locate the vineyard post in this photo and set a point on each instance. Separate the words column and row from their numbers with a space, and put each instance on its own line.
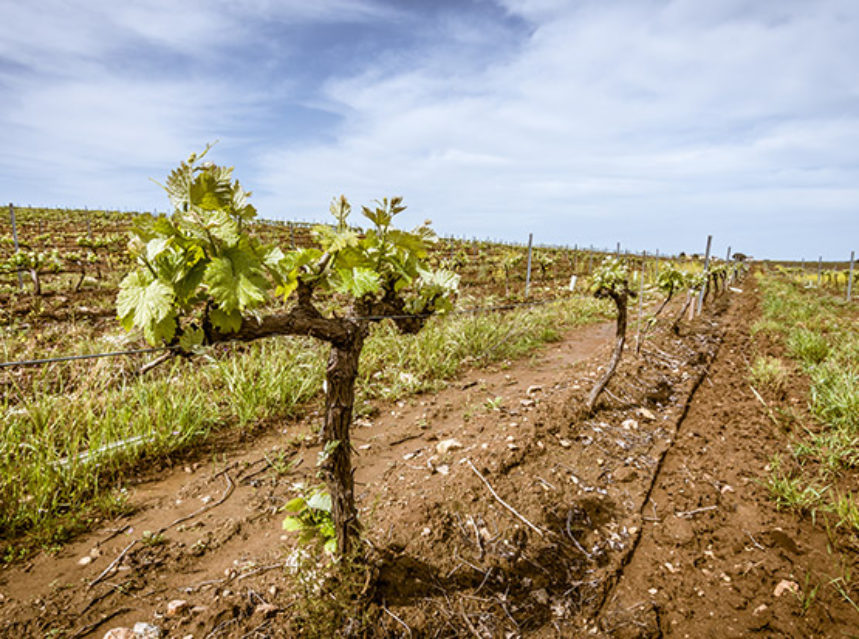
column 15, row 240
column 850, row 278
column 640, row 298
column 292, row 237
column 656, row 265
column 528, row 274
column 819, row 269
column 729, row 279
column 706, row 270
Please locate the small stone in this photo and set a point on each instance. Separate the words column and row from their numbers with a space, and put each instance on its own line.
column 86, row 560
column 653, row 591
column 272, row 591
column 409, row 456
column 226, row 592
column 447, row 445
column 442, row 469
column 600, row 461
column 206, row 499
column 143, row 630
column 176, row 607
column 2, row 597
column 646, row 414
column 426, row 532
column 527, row 403
column 364, row 447
column 266, row 610
column 512, row 446
column 565, row 443
column 534, row 389
column 786, row 585
column 199, row 610
column 540, row 596
column 95, row 553
column 119, row 633
column 759, row 609
column 727, row 488
column 629, row 424
column 188, row 469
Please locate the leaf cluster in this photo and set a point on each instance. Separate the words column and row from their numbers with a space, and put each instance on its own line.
column 310, row 516
column 671, row 279
column 611, row 278
column 200, row 269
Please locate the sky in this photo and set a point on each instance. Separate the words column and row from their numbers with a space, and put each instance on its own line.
column 652, row 123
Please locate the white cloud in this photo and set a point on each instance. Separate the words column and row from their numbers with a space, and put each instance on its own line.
column 589, row 122
column 653, row 110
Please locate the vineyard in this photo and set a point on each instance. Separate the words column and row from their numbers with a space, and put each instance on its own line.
column 219, row 426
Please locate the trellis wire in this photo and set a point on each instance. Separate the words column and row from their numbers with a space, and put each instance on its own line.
column 155, row 349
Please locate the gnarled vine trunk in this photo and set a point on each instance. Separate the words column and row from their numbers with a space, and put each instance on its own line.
column 341, row 373
column 620, row 301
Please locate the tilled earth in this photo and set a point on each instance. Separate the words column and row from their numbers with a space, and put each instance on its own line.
column 493, row 508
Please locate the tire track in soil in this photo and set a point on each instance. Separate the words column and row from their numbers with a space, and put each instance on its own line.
column 715, row 556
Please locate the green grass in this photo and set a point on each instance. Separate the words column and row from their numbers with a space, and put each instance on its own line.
column 820, row 336
column 769, row 373
column 59, row 463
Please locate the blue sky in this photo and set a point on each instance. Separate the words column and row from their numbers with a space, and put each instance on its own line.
column 648, row 122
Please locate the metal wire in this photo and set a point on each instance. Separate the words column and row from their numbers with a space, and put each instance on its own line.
column 69, row 358
column 371, row 318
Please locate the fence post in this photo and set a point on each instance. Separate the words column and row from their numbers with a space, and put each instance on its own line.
column 819, row 269
column 528, row 274
column 706, row 271
column 15, row 240
column 640, row 298
column 850, row 278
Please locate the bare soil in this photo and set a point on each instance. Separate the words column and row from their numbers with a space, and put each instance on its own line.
column 493, row 508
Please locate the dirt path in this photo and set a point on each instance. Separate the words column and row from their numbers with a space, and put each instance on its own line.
column 715, row 558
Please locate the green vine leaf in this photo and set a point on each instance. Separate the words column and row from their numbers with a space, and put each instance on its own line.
column 146, row 303
column 235, row 281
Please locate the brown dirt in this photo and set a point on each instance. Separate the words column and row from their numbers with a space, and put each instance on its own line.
column 644, row 520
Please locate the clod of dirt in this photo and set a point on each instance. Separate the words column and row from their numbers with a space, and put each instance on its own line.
column 660, row 394
column 266, row 610
column 625, row 474
column 119, row 633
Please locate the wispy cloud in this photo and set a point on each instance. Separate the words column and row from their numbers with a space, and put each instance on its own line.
column 651, row 123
